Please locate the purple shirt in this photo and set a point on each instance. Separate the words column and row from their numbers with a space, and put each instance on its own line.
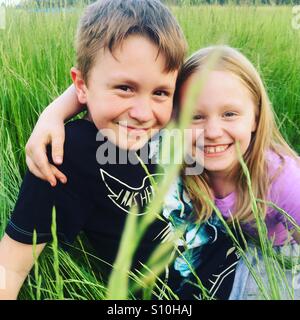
column 284, row 192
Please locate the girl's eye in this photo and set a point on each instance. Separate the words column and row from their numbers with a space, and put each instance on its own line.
column 198, row 117
column 229, row 114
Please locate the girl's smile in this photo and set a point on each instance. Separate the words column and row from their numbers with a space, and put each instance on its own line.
column 216, row 150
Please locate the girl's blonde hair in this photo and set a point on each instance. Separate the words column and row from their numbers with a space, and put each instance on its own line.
column 231, row 60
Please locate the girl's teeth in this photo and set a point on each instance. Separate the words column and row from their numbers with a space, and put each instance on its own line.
column 215, row 149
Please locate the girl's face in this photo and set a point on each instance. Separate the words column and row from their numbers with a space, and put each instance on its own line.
column 226, row 113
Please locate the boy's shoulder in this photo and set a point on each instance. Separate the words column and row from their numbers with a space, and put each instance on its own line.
column 80, row 135
column 80, row 129
column 80, row 144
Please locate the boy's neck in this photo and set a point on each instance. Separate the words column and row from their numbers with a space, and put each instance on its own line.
column 88, row 117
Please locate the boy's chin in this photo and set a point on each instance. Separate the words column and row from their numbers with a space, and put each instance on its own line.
column 132, row 144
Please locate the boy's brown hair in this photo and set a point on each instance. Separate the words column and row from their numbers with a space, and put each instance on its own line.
column 106, row 23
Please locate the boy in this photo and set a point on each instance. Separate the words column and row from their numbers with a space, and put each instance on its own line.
column 128, row 56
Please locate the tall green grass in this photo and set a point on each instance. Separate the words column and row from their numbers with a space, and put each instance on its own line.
column 36, row 53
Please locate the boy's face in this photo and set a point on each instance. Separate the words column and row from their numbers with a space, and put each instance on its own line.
column 128, row 92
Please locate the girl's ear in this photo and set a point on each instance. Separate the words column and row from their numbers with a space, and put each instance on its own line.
column 81, row 89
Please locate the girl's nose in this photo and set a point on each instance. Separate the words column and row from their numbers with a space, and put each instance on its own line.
column 213, row 129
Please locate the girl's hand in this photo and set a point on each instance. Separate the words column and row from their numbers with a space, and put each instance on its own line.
column 48, row 130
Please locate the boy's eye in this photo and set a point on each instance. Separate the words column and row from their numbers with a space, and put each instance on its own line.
column 161, row 93
column 124, row 88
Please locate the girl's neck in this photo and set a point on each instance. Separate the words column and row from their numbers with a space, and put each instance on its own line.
column 222, row 184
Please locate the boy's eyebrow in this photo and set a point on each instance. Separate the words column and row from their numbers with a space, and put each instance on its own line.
column 134, row 83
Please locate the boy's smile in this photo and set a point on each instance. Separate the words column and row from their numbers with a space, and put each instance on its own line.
column 128, row 92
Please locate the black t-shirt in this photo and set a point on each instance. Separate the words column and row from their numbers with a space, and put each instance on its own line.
column 96, row 200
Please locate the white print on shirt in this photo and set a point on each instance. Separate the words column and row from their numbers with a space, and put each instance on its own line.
column 219, row 278
column 125, row 196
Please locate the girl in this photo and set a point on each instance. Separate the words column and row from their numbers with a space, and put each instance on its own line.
column 233, row 110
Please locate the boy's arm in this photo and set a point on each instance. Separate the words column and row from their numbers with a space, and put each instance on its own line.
column 50, row 130
column 16, row 260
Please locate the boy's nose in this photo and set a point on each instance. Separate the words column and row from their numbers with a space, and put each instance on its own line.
column 141, row 110
column 213, row 129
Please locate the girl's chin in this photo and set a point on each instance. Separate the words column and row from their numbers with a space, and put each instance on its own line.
column 220, row 168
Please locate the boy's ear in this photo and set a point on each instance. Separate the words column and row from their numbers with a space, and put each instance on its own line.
column 81, row 89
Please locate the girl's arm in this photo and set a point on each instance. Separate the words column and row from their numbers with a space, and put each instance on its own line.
column 285, row 192
column 50, row 130
column 16, row 261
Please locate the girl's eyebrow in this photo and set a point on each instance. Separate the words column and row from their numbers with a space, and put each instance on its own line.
column 223, row 106
column 232, row 105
